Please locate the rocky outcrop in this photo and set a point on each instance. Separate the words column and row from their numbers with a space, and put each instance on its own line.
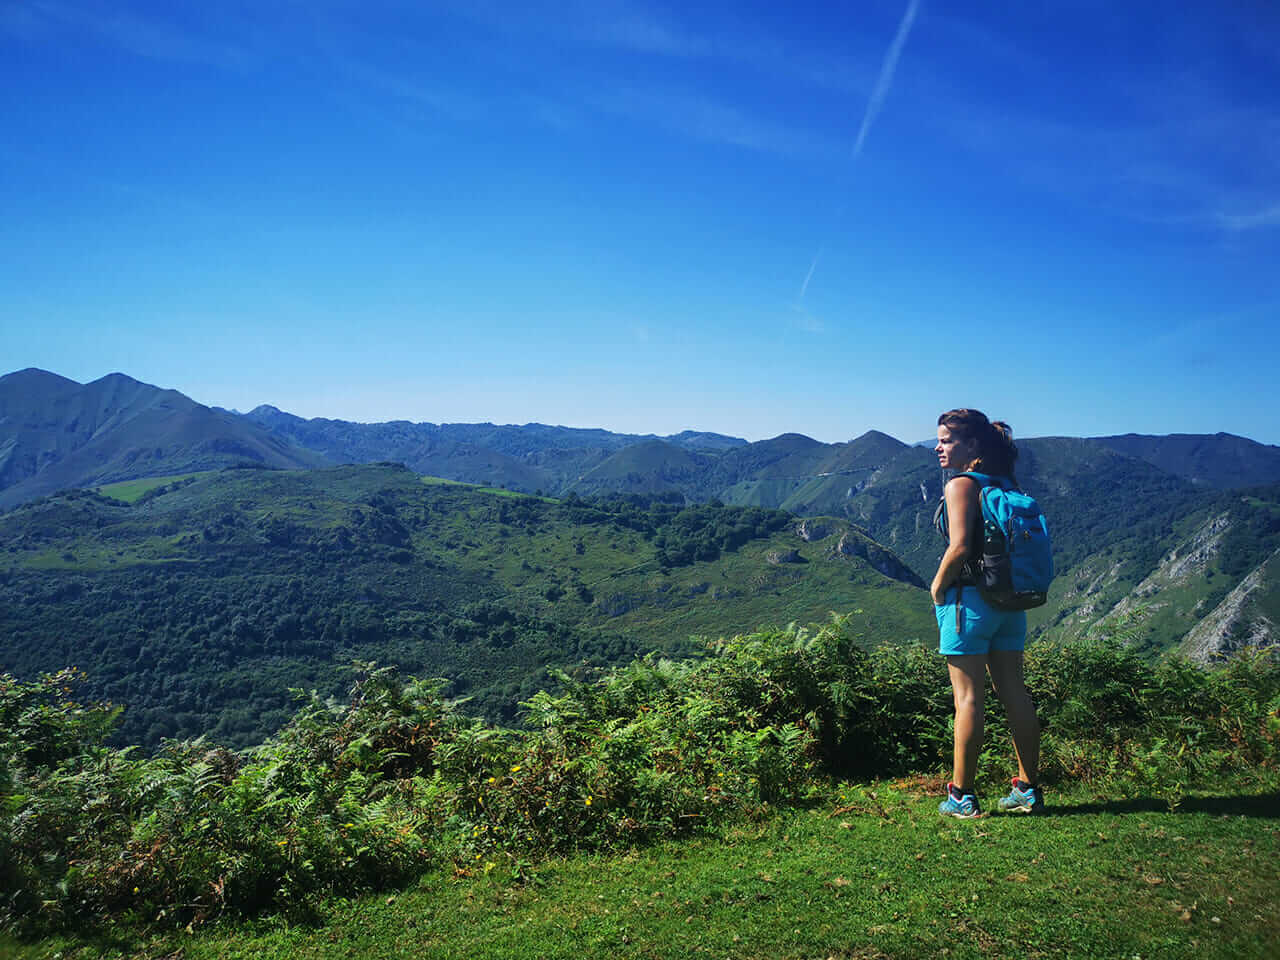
column 810, row 530
column 1186, row 561
column 784, row 556
column 1237, row 622
column 880, row 560
column 1194, row 555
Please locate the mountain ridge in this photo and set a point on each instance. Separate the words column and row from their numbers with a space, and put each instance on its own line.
column 56, row 433
column 1216, row 460
column 791, row 470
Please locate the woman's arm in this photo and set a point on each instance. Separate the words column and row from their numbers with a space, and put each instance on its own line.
column 962, row 500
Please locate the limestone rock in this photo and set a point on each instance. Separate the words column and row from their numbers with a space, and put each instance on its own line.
column 784, row 556
column 810, row 530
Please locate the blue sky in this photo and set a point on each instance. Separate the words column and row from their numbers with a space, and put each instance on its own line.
column 744, row 217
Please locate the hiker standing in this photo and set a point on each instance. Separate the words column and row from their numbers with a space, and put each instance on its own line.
column 975, row 635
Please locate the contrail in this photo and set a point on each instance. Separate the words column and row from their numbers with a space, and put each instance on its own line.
column 878, row 95
column 886, row 74
column 809, row 276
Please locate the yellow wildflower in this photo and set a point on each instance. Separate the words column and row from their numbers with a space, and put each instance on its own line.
column 493, row 779
column 516, row 768
column 588, row 801
column 282, row 843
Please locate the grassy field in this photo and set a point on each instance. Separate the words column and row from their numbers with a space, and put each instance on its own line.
column 871, row 871
column 130, row 491
column 480, row 488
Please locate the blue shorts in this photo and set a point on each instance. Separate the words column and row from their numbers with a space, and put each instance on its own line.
column 981, row 628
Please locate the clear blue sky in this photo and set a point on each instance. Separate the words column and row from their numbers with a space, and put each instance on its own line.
column 743, row 217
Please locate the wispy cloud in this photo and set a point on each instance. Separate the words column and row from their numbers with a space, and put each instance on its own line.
column 144, row 35
column 634, row 28
column 1182, row 146
column 384, row 83
column 1253, row 220
column 704, row 118
column 610, row 24
column 638, row 28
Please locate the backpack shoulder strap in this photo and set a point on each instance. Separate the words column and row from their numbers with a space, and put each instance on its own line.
column 940, row 515
column 988, row 479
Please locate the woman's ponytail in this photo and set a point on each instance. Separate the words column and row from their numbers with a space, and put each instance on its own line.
column 1003, row 449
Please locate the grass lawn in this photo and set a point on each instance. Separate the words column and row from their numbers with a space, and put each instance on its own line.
column 871, row 872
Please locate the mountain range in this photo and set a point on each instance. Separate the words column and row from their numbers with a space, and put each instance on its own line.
column 1172, row 537
column 58, row 434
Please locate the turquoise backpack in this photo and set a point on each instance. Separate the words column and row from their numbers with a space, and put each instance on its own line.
column 1015, row 567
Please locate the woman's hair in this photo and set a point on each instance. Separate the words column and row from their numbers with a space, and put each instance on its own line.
column 996, row 449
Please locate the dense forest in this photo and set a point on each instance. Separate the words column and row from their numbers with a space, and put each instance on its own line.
column 203, row 603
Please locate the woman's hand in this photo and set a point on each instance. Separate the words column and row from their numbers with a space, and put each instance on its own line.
column 939, row 594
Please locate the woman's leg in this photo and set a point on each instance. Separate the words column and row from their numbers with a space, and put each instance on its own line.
column 968, row 684
column 1006, row 677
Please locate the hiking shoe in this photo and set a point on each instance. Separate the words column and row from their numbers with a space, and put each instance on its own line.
column 1024, row 798
column 962, row 805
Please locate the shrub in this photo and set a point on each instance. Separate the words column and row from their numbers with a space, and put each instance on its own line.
column 368, row 793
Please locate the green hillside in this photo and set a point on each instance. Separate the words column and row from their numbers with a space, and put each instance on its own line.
column 56, row 433
column 199, row 604
column 648, row 467
column 1202, row 580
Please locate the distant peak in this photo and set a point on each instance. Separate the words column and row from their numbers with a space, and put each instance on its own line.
column 654, row 442
column 35, row 374
column 118, row 377
column 705, row 438
column 879, row 436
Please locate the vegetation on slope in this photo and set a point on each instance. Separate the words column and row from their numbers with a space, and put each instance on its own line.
column 202, row 602
column 1178, row 579
column 394, row 782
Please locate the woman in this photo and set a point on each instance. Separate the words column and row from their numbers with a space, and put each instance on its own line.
column 975, row 637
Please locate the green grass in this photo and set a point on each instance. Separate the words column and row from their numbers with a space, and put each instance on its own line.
column 129, row 491
column 871, row 872
column 481, row 488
